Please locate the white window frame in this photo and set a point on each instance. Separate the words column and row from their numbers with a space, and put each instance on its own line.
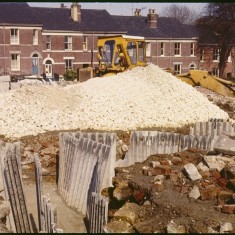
column 68, row 64
column 68, row 43
column 15, row 62
column 192, row 49
column 35, row 37
column 48, row 42
column 230, row 57
column 192, row 66
column 201, row 55
column 215, row 72
column 215, row 55
column 14, row 36
column 162, row 49
column 177, row 49
column 148, row 49
column 177, row 68
column 85, row 43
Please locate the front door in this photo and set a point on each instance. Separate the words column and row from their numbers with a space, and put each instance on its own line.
column 48, row 68
column 35, row 64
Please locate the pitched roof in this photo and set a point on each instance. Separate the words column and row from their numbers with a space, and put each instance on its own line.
column 60, row 19
column 166, row 27
column 93, row 21
column 16, row 13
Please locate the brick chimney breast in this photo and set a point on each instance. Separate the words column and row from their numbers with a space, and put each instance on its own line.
column 76, row 12
column 152, row 19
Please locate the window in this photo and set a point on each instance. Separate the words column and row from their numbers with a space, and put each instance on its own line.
column 48, row 42
column 216, row 54
column 148, row 49
column 68, row 43
column 68, row 64
column 15, row 62
column 177, row 69
column 192, row 66
column 131, row 50
column 201, row 55
column 192, row 49
column 35, row 37
column 230, row 57
column 216, row 72
column 177, row 48
column 162, row 50
column 85, row 43
column 14, row 36
column 141, row 51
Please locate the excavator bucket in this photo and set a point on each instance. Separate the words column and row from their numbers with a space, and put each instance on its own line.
column 206, row 80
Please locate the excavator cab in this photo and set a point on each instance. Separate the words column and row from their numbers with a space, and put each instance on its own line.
column 119, row 53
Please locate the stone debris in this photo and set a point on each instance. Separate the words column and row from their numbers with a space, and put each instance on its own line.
column 225, row 145
column 192, row 171
column 107, row 103
column 172, row 227
column 195, row 192
column 182, row 198
column 226, row 227
column 118, row 227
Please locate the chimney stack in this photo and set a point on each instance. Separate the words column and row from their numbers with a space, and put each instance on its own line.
column 76, row 12
column 137, row 12
column 152, row 19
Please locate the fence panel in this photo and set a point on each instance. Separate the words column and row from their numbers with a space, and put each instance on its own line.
column 86, row 160
column 15, row 190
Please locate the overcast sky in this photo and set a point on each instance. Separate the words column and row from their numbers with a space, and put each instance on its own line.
column 123, row 8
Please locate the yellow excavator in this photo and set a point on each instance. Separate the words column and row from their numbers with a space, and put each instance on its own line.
column 116, row 54
column 122, row 52
column 119, row 53
column 207, row 80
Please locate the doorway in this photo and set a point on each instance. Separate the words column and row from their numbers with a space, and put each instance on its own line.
column 48, row 68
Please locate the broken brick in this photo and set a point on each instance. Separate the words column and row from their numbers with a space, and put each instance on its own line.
column 205, row 174
column 224, row 197
column 215, row 174
column 229, row 209
column 165, row 162
column 176, row 161
column 208, row 193
column 222, row 183
column 164, row 170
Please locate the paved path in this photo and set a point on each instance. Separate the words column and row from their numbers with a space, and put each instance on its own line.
column 69, row 220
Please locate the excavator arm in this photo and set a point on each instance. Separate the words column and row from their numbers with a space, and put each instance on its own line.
column 206, row 80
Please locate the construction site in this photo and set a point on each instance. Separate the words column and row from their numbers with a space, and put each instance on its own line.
column 139, row 151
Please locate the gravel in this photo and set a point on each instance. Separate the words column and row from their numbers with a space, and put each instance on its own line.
column 144, row 97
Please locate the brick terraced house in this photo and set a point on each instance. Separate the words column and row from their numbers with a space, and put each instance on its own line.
column 36, row 40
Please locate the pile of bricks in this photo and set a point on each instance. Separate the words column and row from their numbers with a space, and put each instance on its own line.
column 212, row 178
column 195, row 189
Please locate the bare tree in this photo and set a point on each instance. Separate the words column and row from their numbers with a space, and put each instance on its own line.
column 184, row 14
column 218, row 27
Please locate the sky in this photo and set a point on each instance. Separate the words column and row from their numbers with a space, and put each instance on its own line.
column 121, row 8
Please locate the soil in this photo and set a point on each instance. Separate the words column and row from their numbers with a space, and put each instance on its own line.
column 157, row 208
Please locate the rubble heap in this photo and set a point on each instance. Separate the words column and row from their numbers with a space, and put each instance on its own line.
column 186, row 192
column 144, row 97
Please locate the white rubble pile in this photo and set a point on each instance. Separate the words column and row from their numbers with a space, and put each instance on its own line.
column 140, row 98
